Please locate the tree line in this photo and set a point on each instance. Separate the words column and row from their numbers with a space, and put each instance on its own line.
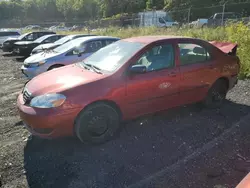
column 41, row 10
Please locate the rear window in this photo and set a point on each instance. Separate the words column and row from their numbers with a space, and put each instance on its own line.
column 49, row 33
column 8, row 33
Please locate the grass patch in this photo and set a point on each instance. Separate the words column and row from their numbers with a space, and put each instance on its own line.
column 237, row 33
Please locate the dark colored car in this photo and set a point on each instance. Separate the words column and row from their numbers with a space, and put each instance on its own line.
column 50, row 46
column 124, row 80
column 6, row 34
column 24, row 48
column 8, row 45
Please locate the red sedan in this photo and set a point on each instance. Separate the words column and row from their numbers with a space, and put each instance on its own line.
column 245, row 183
column 127, row 79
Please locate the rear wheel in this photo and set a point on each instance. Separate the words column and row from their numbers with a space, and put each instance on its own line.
column 204, row 26
column 55, row 67
column 97, row 124
column 216, row 94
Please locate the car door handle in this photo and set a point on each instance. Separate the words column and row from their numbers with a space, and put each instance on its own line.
column 211, row 66
column 172, row 74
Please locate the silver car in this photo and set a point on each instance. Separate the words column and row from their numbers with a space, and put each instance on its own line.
column 57, row 43
column 71, row 52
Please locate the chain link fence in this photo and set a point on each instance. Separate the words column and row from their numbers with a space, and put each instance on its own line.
column 211, row 16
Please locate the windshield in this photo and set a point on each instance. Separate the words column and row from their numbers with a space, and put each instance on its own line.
column 22, row 36
column 63, row 40
column 67, row 46
column 41, row 39
column 168, row 18
column 113, row 56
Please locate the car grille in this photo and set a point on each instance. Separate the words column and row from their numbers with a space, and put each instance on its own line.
column 26, row 96
column 26, row 65
column 16, row 50
column 6, row 44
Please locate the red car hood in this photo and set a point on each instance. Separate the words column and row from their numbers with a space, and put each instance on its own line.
column 61, row 79
column 226, row 47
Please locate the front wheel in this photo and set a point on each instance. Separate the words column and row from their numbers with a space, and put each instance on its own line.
column 97, row 124
column 216, row 94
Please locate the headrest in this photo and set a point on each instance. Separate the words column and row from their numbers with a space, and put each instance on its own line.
column 199, row 50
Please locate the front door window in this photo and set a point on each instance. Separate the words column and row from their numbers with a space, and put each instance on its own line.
column 158, row 58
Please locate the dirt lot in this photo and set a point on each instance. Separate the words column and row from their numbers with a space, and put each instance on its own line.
column 184, row 147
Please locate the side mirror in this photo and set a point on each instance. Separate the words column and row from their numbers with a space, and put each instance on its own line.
column 138, row 69
column 78, row 51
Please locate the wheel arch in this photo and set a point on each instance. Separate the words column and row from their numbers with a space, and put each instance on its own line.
column 55, row 65
column 112, row 104
column 105, row 101
column 225, row 79
column 108, row 102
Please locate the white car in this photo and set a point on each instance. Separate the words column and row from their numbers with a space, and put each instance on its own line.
column 49, row 46
column 69, row 53
column 5, row 34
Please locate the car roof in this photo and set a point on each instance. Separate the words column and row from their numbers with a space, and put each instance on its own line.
column 75, row 35
column 90, row 38
column 51, row 32
column 6, row 30
column 42, row 32
column 150, row 39
column 49, row 35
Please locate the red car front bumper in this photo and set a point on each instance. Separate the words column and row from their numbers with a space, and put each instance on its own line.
column 48, row 123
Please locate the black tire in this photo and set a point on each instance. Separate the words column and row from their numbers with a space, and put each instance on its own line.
column 216, row 94
column 204, row 26
column 96, row 124
column 55, row 67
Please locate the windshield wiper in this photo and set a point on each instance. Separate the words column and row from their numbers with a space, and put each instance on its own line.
column 94, row 68
column 45, row 50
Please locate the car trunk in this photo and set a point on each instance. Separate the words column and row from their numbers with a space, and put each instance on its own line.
column 227, row 47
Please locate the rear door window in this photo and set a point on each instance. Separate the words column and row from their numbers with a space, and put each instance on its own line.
column 93, row 46
column 51, row 39
column 40, row 34
column 109, row 41
column 193, row 53
column 32, row 36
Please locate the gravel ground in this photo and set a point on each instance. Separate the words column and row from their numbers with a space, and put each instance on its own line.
column 144, row 147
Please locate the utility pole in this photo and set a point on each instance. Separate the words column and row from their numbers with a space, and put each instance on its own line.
column 189, row 12
column 223, row 12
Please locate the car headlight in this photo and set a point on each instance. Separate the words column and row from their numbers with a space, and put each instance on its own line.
column 35, row 51
column 32, row 65
column 48, row 100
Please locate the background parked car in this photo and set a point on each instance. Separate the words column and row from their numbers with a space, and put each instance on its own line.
column 4, row 35
column 8, row 45
column 215, row 20
column 32, row 27
column 77, row 27
column 71, row 52
column 24, row 48
column 57, row 43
